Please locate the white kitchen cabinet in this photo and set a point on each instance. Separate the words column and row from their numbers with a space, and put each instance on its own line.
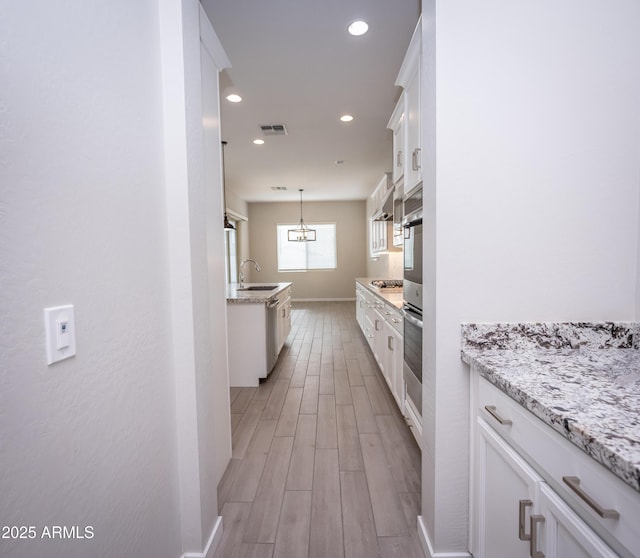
column 284, row 317
column 387, row 349
column 378, row 236
column 409, row 78
column 506, row 491
column 378, row 348
column 517, row 458
column 382, row 325
column 396, row 125
column 398, row 215
column 369, row 318
column 361, row 304
column 258, row 325
column 561, row 533
column 393, row 368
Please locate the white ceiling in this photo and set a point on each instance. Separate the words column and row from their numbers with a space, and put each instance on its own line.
column 294, row 63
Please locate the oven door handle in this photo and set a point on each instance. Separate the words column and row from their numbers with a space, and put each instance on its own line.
column 412, row 319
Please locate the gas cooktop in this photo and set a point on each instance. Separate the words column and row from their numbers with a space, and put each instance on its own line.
column 387, row 284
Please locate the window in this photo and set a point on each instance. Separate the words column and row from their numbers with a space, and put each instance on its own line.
column 303, row 256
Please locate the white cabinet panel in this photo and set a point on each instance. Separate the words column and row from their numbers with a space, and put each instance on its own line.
column 516, row 457
column 506, row 492
column 563, row 534
column 409, row 78
column 396, row 125
column 382, row 326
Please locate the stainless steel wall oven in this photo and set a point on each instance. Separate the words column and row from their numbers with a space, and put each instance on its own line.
column 413, row 358
column 412, row 307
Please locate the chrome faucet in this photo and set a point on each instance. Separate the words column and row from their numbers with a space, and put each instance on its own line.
column 255, row 264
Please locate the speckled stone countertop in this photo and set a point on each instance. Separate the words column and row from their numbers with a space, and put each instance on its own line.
column 234, row 295
column 390, row 296
column 582, row 379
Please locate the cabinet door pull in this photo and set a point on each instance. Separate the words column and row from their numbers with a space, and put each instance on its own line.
column 534, row 520
column 399, row 159
column 523, row 505
column 491, row 409
column 390, row 342
column 415, row 157
column 376, row 326
column 574, row 484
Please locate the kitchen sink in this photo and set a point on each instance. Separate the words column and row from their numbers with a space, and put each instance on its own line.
column 258, row 288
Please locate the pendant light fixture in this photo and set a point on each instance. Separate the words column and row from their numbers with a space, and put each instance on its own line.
column 302, row 233
column 228, row 226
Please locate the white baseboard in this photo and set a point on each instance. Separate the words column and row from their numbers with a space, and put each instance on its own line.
column 212, row 543
column 427, row 547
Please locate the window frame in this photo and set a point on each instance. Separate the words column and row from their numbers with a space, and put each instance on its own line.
column 281, row 237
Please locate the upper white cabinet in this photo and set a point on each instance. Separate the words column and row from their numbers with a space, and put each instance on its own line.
column 381, row 217
column 406, row 119
column 396, row 125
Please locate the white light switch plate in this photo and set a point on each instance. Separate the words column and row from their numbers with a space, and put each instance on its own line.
column 60, row 331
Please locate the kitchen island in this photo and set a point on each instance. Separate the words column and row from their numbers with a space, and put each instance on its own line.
column 581, row 382
column 259, row 320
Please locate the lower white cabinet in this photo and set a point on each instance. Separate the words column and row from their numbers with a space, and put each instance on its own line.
column 387, row 349
column 382, row 325
column 393, row 361
column 515, row 510
column 361, row 305
column 284, row 317
column 559, row 532
column 506, row 491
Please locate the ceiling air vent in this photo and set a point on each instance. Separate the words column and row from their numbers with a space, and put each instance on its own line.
column 278, row 188
column 273, row 129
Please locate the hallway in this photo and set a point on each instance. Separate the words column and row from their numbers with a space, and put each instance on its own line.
column 323, row 464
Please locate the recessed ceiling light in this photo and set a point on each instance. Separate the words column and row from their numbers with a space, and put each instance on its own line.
column 258, row 141
column 346, row 118
column 233, row 98
column 358, row 28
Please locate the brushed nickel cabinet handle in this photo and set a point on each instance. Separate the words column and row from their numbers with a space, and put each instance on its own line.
column 399, row 159
column 390, row 342
column 376, row 326
column 534, row 521
column 522, row 506
column 574, row 484
column 491, row 409
column 415, row 157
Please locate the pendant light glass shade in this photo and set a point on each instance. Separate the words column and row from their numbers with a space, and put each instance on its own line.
column 302, row 233
column 228, row 226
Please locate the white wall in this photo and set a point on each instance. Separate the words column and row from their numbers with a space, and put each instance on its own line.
column 94, row 441
column 321, row 284
column 91, row 440
column 532, row 135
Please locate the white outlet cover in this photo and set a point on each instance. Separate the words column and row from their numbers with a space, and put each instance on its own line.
column 60, row 329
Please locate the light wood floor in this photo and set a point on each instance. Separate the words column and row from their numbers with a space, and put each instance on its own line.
column 323, row 464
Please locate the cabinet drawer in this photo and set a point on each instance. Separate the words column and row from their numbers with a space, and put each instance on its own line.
column 393, row 318
column 560, row 463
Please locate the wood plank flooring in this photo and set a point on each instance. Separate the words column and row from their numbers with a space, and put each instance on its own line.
column 323, row 464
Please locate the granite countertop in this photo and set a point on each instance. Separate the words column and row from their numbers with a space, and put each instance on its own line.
column 234, row 295
column 583, row 380
column 390, row 296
